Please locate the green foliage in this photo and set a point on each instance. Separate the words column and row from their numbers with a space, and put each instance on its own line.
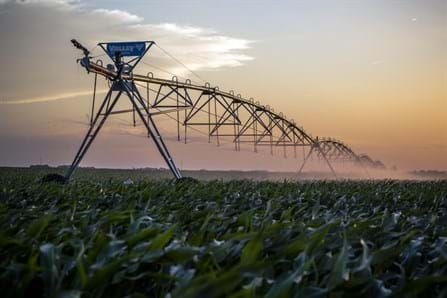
column 96, row 237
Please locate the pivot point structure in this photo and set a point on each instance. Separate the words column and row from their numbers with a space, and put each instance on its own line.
column 223, row 115
column 122, row 85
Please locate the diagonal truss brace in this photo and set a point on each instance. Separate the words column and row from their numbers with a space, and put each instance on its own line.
column 316, row 147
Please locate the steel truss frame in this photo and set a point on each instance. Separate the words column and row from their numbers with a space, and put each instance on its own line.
column 225, row 114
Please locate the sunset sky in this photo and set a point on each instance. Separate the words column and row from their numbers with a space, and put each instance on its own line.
column 371, row 73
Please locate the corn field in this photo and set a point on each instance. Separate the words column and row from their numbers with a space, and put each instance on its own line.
column 100, row 237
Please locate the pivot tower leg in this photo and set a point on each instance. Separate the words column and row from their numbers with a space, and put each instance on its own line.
column 95, row 127
column 138, row 103
column 312, row 148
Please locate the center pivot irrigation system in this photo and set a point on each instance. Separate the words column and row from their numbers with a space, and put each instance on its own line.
column 222, row 114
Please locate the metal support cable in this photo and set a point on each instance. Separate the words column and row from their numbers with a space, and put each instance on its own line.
column 179, row 62
column 168, row 72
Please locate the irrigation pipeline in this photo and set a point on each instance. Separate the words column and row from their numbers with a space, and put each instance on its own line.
column 224, row 114
column 334, row 149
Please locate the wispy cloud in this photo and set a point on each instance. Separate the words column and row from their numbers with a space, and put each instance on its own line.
column 184, row 30
column 119, row 16
column 199, row 48
column 49, row 98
